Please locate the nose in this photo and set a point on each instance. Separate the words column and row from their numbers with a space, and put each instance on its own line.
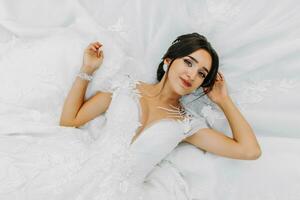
column 192, row 73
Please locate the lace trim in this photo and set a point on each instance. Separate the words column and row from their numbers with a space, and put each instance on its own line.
column 185, row 115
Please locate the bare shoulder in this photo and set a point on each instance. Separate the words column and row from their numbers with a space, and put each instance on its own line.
column 145, row 88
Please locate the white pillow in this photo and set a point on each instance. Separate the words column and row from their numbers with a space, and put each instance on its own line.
column 37, row 73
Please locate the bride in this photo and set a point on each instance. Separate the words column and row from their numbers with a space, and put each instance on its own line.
column 189, row 64
column 143, row 124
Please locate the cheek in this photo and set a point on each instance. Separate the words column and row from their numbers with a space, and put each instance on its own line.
column 174, row 75
column 198, row 84
column 173, row 79
column 176, row 71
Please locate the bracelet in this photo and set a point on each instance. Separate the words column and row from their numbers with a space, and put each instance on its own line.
column 85, row 76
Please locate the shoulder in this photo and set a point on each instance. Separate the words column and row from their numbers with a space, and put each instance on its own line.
column 119, row 82
column 193, row 122
column 122, row 81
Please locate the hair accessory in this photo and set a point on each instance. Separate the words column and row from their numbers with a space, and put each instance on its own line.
column 165, row 67
column 175, row 41
column 85, row 76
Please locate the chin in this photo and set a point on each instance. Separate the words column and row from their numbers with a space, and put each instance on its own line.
column 180, row 90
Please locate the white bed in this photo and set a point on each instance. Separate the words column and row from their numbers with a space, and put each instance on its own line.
column 41, row 48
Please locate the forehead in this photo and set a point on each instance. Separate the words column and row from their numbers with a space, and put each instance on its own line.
column 203, row 57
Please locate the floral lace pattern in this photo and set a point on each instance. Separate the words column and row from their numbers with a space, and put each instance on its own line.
column 186, row 117
column 127, row 84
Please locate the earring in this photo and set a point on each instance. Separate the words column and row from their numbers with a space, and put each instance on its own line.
column 165, row 67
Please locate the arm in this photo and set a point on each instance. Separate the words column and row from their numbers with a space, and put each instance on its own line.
column 243, row 145
column 73, row 102
column 76, row 111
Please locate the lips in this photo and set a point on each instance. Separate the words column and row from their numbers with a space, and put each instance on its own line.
column 186, row 83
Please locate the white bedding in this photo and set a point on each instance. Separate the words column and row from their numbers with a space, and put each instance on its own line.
column 41, row 48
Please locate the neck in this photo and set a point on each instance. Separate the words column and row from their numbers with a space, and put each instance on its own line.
column 164, row 93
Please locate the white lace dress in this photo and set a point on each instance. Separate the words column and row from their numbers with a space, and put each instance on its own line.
column 62, row 167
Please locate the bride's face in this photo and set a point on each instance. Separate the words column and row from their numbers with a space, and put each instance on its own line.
column 188, row 73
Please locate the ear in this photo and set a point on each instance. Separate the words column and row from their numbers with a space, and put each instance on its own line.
column 167, row 61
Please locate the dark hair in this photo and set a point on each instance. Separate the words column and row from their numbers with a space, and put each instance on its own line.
column 185, row 45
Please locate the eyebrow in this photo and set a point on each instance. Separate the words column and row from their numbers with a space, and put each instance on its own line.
column 197, row 62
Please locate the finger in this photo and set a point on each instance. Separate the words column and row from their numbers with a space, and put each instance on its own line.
column 220, row 75
column 91, row 44
column 94, row 45
column 100, row 48
column 98, row 43
column 222, row 78
column 100, row 53
column 93, row 48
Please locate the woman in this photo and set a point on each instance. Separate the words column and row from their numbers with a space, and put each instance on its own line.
column 189, row 65
column 187, row 75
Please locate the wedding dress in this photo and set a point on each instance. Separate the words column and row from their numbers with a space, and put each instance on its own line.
column 62, row 166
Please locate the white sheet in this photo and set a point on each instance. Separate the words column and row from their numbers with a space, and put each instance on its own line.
column 41, row 46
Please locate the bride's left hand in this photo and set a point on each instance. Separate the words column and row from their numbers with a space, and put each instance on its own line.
column 219, row 91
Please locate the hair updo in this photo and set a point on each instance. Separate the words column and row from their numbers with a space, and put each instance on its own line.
column 183, row 46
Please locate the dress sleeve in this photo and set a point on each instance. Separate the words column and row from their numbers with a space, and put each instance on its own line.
column 199, row 122
column 196, row 123
column 111, row 84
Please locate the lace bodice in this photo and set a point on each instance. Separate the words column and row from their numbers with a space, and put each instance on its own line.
column 188, row 121
column 155, row 141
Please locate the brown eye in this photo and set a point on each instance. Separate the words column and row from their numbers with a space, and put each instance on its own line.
column 188, row 62
column 202, row 74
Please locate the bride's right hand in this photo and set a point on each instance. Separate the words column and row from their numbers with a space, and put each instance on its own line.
column 92, row 58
